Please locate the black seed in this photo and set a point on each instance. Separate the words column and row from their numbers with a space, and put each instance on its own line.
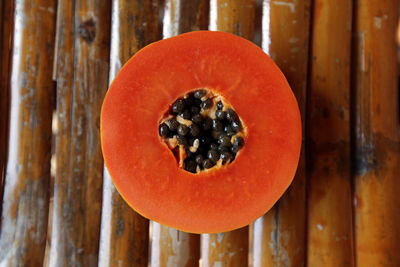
column 228, row 128
column 189, row 153
column 216, row 134
column 190, row 166
column 181, row 140
column 189, row 101
column 229, row 131
column 235, row 149
column 238, row 141
column 220, row 114
column 207, row 164
column 199, row 94
column 173, row 124
column 206, row 104
column 194, row 130
column 231, row 115
column 197, row 118
column 213, row 146
column 182, row 130
column 185, row 114
column 213, row 155
column 220, row 106
column 199, row 159
column 164, row 130
column 191, row 141
column 202, row 150
column 236, row 125
column 195, row 110
column 222, row 148
column 217, row 125
column 197, row 102
column 225, row 156
column 178, row 106
column 222, row 135
column 207, row 124
column 225, row 141
column 204, row 140
column 230, row 134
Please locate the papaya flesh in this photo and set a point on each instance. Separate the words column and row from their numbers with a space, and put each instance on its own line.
column 144, row 169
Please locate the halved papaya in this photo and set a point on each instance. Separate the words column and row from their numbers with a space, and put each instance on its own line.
column 172, row 112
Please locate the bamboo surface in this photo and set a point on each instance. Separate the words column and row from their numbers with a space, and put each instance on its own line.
column 6, row 28
column 330, row 237
column 124, row 233
column 83, row 32
column 225, row 249
column 278, row 238
column 376, row 133
column 234, row 16
column 58, row 59
column 26, row 198
column 170, row 247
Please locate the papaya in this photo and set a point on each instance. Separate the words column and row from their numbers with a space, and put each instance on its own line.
column 201, row 132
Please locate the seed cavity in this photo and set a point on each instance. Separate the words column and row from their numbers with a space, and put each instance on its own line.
column 203, row 131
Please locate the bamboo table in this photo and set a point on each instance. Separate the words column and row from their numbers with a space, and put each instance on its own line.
column 58, row 204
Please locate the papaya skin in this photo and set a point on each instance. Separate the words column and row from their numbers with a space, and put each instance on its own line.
column 145, row 171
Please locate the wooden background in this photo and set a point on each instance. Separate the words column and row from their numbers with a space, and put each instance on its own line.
column 58, row 205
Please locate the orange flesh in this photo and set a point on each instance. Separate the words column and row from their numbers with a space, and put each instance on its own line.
column 145, row 171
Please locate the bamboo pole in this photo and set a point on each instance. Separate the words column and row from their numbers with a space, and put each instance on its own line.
column 229, row 248
column 225, row 249
column 6, row 28
column 82, row 55
column 124, row 233
column 26, row 198
column 234, row 16
column 376, row 134
column 330, row 237
column 278, row 238
column 170, row 247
